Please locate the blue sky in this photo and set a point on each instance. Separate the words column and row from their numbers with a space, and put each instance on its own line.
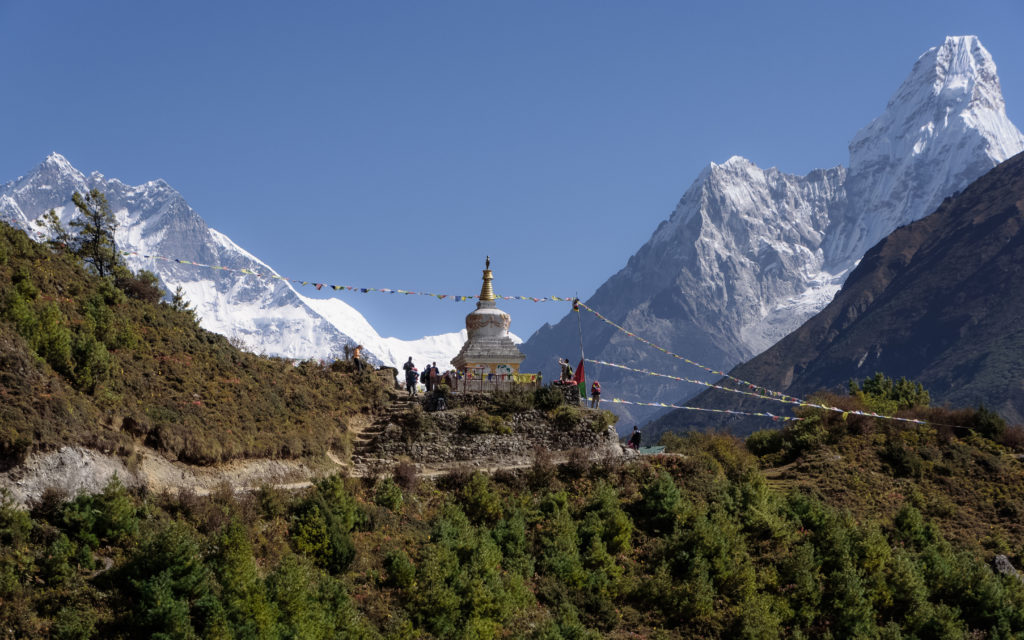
column 394, row 144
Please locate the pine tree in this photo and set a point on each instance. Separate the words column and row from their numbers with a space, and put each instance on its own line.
column 94, row 232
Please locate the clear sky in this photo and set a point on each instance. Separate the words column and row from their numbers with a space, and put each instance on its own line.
column 394, row 144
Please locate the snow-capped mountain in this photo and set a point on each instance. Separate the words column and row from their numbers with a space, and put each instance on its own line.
column 749, row 254
column 265, row 314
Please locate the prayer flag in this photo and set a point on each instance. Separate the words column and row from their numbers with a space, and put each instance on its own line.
column 580, row 380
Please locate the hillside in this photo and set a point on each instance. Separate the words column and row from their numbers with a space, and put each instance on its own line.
column 698, row 544
column 839, row 528
column 82, row 362
column 938, row 301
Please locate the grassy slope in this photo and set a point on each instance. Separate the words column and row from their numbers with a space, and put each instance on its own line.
column 81, row 363
column 971, row 486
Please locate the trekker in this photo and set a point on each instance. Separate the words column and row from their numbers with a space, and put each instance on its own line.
column 595, row 394
column 411, row 378
column 357, row 357
column 564, row 364
column 634, row 438
column 434, row 376
column 410, row 370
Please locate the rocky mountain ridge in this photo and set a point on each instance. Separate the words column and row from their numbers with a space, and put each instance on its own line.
column 749, row 254
column 266, row 315
column 937, row 301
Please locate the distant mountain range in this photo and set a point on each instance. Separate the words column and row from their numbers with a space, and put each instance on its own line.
column 749, row 254
column 266, row 315
column 938, row 301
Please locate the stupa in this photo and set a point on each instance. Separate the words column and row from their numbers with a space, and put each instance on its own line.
column 489, row 349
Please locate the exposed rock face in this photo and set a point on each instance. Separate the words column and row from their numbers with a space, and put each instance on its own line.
column 938, row 301
column 749, row 254
column 446, row 444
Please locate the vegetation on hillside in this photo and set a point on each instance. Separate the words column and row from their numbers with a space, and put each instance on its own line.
column 698, row 545
column 100, row 361
column 839, row 526
column 962, row 468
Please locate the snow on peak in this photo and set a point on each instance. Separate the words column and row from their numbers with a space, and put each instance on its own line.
column 57, row 161
column 952, row 93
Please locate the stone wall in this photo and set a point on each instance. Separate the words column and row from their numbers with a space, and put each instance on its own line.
column 446, row 443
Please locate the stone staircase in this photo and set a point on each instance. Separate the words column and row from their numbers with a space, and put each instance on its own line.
column 365, row 449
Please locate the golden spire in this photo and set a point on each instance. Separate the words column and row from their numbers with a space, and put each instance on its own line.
column 486, row 292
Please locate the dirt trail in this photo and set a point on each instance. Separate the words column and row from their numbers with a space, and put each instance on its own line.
column 72, row 470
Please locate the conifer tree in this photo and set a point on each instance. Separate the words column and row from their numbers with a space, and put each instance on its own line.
column 94, row 232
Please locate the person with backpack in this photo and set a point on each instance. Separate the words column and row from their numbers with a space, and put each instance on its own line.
column 434, row 376
column 595, row 394
column 411, row 376
column 634, row 438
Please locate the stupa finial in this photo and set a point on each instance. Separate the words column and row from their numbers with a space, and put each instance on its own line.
column 487, row 292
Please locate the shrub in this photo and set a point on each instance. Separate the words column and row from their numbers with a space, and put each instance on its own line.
column 479, row 422
column 507, row 403
column 388, row 494
column 1013, row 437
column 406, row 475
column 604, row 421
column 804, row 435
column 547, row 398
column 400, row 569
column 661, row 504
column 764, row 442
column 415, row 422
column 565, row 417
column 987, row 423
column 480, row 501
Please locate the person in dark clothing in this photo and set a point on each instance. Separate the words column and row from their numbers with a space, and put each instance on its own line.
column 410, row 376
column 434, row 376
column 427, row 380
column 634, row 438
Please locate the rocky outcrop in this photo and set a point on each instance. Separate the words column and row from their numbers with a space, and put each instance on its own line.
column 438, row 440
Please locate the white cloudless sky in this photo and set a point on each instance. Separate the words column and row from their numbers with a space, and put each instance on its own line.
column 395, row 144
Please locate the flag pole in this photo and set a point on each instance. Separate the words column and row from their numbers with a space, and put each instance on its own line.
column 579, row 324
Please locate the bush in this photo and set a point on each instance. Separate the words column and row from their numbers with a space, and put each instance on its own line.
column 661, row 504
column 508, row 403
column 987, row 423
column 804, row 435
column 388, row 494
column 764, row 442
column 604, row 421
column 415, row 422
column 479, row 422
column 547, row 398
column 401, row 571
column 566, row 417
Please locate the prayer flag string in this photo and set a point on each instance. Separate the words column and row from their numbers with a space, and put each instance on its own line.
column 750, row 385
column 771, row 416
column 338, row 287
column 781, row 397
